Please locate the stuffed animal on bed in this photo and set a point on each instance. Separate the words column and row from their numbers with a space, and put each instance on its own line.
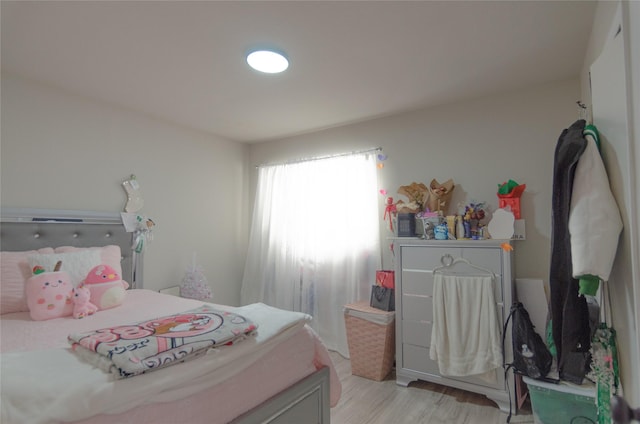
column 49, row 294
column 82, row 305
column 107, row 288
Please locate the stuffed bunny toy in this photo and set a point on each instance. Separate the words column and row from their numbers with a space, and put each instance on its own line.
column 82, row 306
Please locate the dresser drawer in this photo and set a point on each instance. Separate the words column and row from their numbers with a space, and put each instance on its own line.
column 428, row 258
column 490, row 259
column 425, row 258
column 416, row 358
column 420, row 283
column 417, row 308
column 417, row 282
column 417, row 333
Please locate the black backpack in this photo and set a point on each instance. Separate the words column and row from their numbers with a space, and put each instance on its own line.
column 531, row 357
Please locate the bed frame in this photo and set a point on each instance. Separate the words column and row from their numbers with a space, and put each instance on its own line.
column 307, row 401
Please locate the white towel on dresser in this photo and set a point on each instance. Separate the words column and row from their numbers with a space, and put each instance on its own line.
column 466, row 332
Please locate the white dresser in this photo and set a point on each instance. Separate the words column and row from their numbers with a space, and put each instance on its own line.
column 415, row 261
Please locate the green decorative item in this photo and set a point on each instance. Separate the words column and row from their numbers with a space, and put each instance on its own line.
column 604, row 370
column 550, row 343
column 604, row 366
column 588, row 285
column 506, row 188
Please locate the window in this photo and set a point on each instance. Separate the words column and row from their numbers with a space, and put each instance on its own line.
column 314, row 243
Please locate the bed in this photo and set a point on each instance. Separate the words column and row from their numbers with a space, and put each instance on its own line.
column 279, row 373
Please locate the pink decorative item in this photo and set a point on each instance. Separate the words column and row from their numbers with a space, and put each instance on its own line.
column 107, row 288
column 82, row 305
column 389, row 211
column 49, row 294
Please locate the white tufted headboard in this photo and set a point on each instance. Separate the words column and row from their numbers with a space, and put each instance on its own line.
column 31, row 229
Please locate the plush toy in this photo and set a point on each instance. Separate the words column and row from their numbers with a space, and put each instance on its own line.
column 82, row 305
column 107, row 288
column 49, row 293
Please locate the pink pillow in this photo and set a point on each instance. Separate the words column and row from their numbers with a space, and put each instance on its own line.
column 49, row 295
column 14, row 272
column 109, row 255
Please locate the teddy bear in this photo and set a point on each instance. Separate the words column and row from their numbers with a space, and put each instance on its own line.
column 107, row 288
column 82, row 305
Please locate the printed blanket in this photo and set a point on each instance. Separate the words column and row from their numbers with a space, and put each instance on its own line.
column 130, row 350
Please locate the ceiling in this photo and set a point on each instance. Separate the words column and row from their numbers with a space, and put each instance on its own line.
column 350, row 61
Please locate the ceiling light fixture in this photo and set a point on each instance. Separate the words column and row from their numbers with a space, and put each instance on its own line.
column 267, row 61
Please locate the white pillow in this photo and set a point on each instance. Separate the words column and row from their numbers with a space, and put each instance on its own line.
column 109, row 255
column 76, row 264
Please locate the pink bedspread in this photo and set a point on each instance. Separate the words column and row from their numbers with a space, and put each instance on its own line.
column 279, row 366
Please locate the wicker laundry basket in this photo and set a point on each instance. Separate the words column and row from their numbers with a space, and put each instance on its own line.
column 371, row 340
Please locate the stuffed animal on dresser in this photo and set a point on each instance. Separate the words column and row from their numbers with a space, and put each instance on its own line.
column 107, row 288
column 82, row 305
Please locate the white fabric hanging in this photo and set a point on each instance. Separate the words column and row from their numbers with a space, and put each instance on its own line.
column 465, row 339
column 314, row 241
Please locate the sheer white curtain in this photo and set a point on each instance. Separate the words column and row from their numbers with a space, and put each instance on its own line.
column 314, row 243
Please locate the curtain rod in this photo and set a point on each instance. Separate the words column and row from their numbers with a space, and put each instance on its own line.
column 373, row 149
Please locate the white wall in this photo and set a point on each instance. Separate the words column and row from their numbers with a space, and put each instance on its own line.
column 478, row 143
column 620, row 153
column 65, row 152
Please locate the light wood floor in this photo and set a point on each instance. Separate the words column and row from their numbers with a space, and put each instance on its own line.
column 366, row 401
